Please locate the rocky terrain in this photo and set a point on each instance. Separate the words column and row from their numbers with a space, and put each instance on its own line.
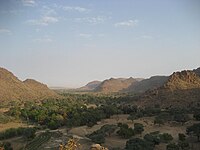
column 90, row 86
column 147, row 84
column 182, row 89
column 11, row 88
column 115, row 85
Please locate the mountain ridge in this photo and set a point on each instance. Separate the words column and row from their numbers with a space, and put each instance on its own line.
column 113, row 85
column 11, row 88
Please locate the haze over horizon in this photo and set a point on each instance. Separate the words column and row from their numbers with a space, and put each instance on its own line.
column 69, row 43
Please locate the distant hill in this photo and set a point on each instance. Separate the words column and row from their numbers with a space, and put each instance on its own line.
column 147, row 84
column 197, row 71
column 11, row 88
column 182, row 89
column 113, row 85
column 90, row 86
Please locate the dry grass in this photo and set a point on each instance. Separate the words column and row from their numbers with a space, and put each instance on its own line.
column 9, row 125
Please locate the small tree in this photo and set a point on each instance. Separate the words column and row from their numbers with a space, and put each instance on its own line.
column 153, row 138
column 158, row 121
column 172, row 146
column 181, row 137
column 197, row 115
column 165, row 137
column 138, row 144
column 132, row 117
column 195, row 130
column 182, row 118
column 98, row 138
column 125, row 131
column 184, row 145
column 138, row 128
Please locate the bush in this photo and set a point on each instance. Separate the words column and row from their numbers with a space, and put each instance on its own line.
column 181, row 137
column 138, row 144
column 98, row 138
column 165, row 137
column 152, row 138
column 6, row 146
column 184, row 145
column 195, row 130
column 13, row 132
column 125, row 131
column 172, row 146
column 182, row 118
column 138, row 128
column 158, row 121
column 197, row 115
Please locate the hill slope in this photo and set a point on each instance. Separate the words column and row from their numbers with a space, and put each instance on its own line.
column 197, row 71
column 183, row 80
column 115, row 85
column 182, row 89
column 11, row 88
column 41, row 90
column 147, row 84
column 90, row 86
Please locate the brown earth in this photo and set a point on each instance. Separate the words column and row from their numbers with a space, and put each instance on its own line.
column 115, row 85
column 11, row 88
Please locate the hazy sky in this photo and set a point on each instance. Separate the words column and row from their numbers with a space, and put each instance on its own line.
column 70, row 42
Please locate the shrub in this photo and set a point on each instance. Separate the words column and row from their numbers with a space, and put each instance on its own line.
column 125, row 131
column 138, row 128
column 165, row 137
column 195, row 130
column 172, row 146
column 153, row 138
column 181, row 137
column 138, row 144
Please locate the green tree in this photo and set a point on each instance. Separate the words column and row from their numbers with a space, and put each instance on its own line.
column 138, row 128
column 172, row 146
column 181, row 137
column 125, row 131
column 138, row 144
column 195, row 130
column 184, row 145
column 182, row 118
column 29, row 133
column 7, row 146
column 158, row 121
column 132, row 117
column 197, row 115
column 98, row 138
column 153, row 138
column 166, row 137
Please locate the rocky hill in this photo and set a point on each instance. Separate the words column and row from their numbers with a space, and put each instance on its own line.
column 113, row 85
column 182, row 89
column 11, row 88
column 41, row 90
column 183, row 80
column 197, row 71
column 90, row 86
column 147, row 84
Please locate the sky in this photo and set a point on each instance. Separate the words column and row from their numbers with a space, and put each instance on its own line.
column 67, row 43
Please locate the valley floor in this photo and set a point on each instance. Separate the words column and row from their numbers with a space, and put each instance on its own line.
column 114, row 141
